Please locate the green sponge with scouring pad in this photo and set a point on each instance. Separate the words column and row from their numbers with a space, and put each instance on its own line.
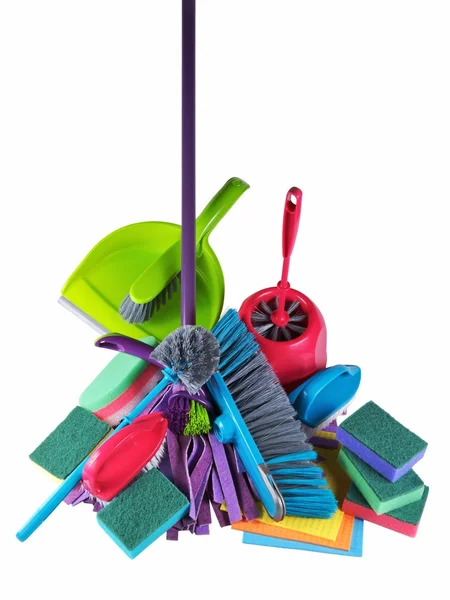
column 69, row 444
column 382, row 495
column 381, row 441
column 404, row 520
column 143, row 512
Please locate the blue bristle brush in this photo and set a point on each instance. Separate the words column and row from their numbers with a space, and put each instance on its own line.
column 258, row 418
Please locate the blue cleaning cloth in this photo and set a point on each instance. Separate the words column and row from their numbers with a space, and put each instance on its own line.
column 356, row 546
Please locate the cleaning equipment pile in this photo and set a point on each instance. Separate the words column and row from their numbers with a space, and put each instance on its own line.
column 232, row 415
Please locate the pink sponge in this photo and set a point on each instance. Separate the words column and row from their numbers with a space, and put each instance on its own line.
column 114, row 412
column 404, row 520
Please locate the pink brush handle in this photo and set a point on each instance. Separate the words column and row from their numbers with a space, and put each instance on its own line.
column 291, row 221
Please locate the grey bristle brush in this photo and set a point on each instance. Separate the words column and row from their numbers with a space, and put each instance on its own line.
column 258, row 418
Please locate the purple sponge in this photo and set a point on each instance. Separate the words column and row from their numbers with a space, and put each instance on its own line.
column 381, row 441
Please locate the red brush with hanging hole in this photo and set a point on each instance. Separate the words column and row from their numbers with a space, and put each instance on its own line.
column 287, row 325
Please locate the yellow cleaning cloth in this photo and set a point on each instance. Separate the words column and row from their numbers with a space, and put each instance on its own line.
column 329, row 435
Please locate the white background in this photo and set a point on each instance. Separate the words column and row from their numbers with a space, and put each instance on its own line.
column 347, row 100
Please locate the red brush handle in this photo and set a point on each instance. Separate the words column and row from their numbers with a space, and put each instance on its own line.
column 291, row 221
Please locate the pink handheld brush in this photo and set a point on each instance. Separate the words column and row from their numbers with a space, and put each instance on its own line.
column 287, row 325
column 123, row 456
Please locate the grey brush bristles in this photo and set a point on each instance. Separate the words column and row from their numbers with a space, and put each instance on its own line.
column 263, row 324
column 272, row 421
column 135, row 313
column 192, row 353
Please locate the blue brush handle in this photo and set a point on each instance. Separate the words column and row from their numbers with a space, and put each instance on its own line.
column 230, row 428
column 51, row 503
column 71, row 481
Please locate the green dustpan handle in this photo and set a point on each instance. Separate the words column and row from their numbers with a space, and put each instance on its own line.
column 217, row 208
column 166, row 266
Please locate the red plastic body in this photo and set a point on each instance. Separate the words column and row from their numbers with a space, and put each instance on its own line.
column 295, row 360
column 118, row 460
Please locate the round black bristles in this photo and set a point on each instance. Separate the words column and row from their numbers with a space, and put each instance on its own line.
column 294, row 328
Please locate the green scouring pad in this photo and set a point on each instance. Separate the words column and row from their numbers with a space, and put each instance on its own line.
column 381, row 441
column 382, row 495
column 142, row 512
column 69, row 444
column 404, row 520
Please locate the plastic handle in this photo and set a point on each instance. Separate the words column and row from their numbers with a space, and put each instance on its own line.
column 127, row 345
column 201, row 397
column 157, row 275
column 230, row 427
column 217, row 208
column 164, row 268
column 188, row 164
column 49, row 505
column 291, row 220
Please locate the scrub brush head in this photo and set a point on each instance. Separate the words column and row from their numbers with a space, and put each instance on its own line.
column 266, row 327
column 192, row 353
column 136, row 313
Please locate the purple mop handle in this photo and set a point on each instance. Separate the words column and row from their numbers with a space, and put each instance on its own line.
column 127, row 345
column 188, row 258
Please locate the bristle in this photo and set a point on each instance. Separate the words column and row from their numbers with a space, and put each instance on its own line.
column 271, row 419
column 198, row 420
column 82, row 495
column 192, row 353
column 311, row 431
column 98, row 504
column 135, row 313
column 262, row 321
column 156, row 460
column 177, row 414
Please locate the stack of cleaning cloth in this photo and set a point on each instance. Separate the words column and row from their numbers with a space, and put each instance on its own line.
column 378, row 454
column 342, row 534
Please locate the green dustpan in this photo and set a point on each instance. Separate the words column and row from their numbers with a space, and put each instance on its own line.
column 97, row 287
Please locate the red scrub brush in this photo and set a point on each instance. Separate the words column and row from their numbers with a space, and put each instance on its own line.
column 287, row 325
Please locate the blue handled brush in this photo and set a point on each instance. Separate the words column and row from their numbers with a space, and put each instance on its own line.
column 258, row 418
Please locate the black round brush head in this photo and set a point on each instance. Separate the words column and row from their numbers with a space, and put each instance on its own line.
column 264, row 326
